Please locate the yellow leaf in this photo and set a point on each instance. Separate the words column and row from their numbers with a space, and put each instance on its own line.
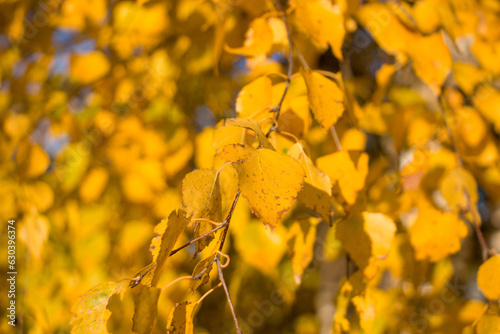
column 204, row 153
column 487, row 53
column 487, row 101
column 340, row 319
column 432, row 67
column 468, row 76
column 225, row 135
column 255, row 127
column 259, row 247
column 458, row 188
column 325, row 98
column 201, row 197
column 447, row 231
column 487, row 277
column 258, row 40
column 90, row 313
column 366, row 237
column 180, row 320
column 89, row 67
column 488, row 324
column 353, row 140
column 254, row 99
column 34, row 232
column 38, row 194
column 174, row 163
column 317, row 191
column 146, row 306
column 32, row 160
column 72, row 165
column 93, row 184
column 16, row 126
column 269, row 180
column 202, row 266
column 324, row 22
column 301, row 236
column 177, row 222
column 342, row 170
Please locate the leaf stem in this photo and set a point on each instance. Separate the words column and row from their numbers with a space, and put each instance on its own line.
column 175, row 281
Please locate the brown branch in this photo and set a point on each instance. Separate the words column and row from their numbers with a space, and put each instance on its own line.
column 198, row 238
column 277, row 108
column 221, row 277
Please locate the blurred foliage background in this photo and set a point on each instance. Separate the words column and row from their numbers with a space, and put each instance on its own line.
column 105, row 106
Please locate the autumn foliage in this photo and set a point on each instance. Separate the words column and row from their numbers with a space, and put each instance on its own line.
column 222, row 166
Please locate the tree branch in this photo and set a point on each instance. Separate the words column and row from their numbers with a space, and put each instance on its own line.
column 221, row 277
column 198, row 238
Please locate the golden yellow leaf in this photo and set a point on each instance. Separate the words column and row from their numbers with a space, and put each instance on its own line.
column 432, row 67
column 317, row 191
column 89, row 67
column 38, row 194
column 254, row 99
column 366, row 237
column 72, row 165
column 175, row 162
column 326, row 99
column 353, row 140
column 341, row 169
column 447, row 231
column 258, row 40
column 34, row 232
column 16, row 125
column 89, row 311
column 177, row 223
column 259, row 247
column 32, row 160
column 487, row 277
column 269, row 180
column 180, row 320
column 201, row 197
column 487, row 101
column 459, row 188
column 468, row 76
column 488, row 324
column 486, row 53
column 225, row 135
column 204, row 150
column 203, row 270
column 93, row 184
column 301, row 237
column 324, row 22
column 146, row 305
column 340, row 319
column 255, row 127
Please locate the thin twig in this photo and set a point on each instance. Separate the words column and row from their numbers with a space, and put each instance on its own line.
column 277, row 109
column 208, row 292
column 228, row 220
column 335, row 138
column 175, row 281
column 198, row 238
column 221, row 277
